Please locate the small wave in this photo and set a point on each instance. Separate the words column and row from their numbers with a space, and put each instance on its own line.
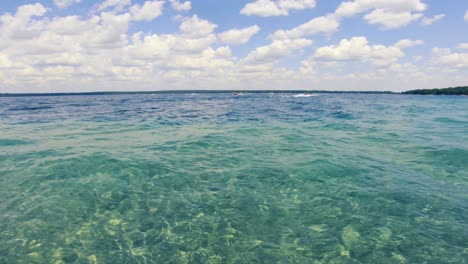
column 449, row 120
column 12, row 142
column 31, row 108
column 342, row 115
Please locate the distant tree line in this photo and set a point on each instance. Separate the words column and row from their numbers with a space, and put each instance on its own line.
column 461, row 90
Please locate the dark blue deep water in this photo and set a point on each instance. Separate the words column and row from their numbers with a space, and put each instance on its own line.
column 217, row 178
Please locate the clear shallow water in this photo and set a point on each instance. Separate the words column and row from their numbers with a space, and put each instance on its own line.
column 216, row 178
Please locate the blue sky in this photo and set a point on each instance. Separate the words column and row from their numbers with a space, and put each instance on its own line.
column 84, row 45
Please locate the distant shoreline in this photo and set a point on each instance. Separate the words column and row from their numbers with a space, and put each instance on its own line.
column 191, row 91
column 460, row 90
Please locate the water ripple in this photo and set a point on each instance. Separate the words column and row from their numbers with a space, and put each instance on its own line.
column 217, row 178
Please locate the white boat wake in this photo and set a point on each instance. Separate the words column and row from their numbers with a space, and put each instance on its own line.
column 305, row 95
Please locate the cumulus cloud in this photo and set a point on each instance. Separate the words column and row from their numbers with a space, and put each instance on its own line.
column 5, row 61
column 389, row 14
column 358, row 49
column 42, row 51
column 238, row 36
column 197, row 27
column 427, row 21
column 266, row 8
column 179, row 51
column 98, row 48
column 181, row 6
column 408, row 43
column 149, row 11
column 21, row 25
column 65, row 3
column 348, row 9
column 463, row 46
column 296, row 4
column 114, row 5
column 263, row 8
column 466, row 16
column 323, row 24
column 446, row 58
column 389, row 19
column 276, row 50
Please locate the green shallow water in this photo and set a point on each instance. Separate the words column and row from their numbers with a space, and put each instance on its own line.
column 212, row 178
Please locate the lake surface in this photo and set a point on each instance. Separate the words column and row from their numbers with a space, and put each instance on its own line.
column 217, row 178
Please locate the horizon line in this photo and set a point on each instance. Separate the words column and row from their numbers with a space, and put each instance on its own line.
column 187, row 91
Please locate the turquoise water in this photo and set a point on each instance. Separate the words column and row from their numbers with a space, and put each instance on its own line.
column 217, row 178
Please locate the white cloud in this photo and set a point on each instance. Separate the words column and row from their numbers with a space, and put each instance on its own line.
column 263, row 8
column 389, row 19
column 25, row 13
column 5, row 62
column 66, row 43
column 165, row 50
column 21, row 25
column 463, row 46
column 109, row 33
column 98, row 52
column 238, row 36
column 349, row 9
column 466, row 16
column 427, row 21
column 447, row 58
column 275, row 51
column 65, row 3
column 179, row 6
column 408, row 43
column 115, row 5
column 72, row 25
column 149, row 11
column 197, row 27
column 296, row 4
column 388, row 13
column 323, row 24
column 405, row 71
column 42, row 51
column 266, row 8
column 358, row 49
column 209, row 58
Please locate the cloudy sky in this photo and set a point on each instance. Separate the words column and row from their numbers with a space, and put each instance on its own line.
column 85, row 45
